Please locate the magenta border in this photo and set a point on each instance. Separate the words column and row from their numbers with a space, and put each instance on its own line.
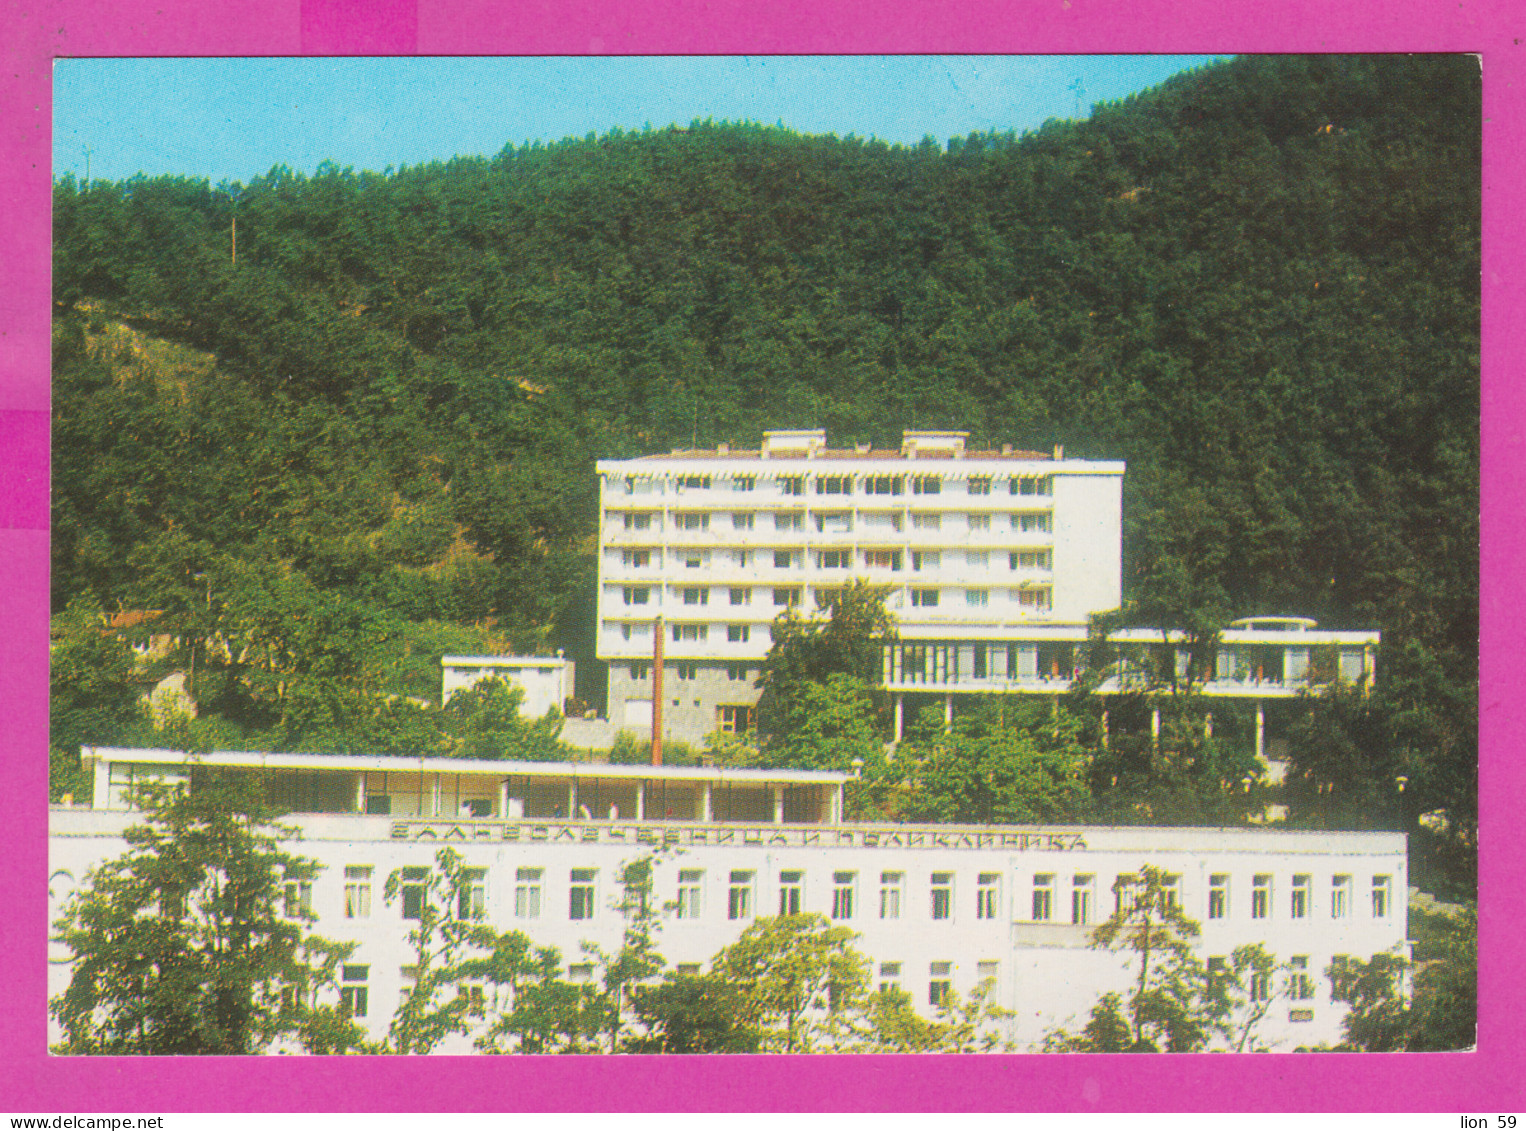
column 1489, row 1080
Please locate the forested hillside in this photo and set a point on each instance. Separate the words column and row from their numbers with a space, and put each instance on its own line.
column 349, row 420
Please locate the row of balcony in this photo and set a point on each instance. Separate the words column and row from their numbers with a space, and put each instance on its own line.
column 1020, row 567
column 853, row 542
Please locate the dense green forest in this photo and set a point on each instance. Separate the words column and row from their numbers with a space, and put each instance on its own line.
column 341, row 424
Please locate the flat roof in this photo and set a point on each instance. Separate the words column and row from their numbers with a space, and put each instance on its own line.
column 502, row 661
column 252, row 759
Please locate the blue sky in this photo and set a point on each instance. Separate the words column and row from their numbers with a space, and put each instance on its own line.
column 234, row 119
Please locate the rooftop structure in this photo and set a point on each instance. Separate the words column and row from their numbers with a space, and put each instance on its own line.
column 937, row 908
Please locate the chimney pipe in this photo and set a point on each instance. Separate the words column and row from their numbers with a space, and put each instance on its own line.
column 1059, row 451
column 657, row 692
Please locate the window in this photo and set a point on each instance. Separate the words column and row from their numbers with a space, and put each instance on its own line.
column 739, row 896
column 1029, row 559
column 298, row 899
column 882, row 559
column 927, row 522
column 834, row 485
column 926, row 485
column 743, row 482
column 580, row 972
column 792, row 485
column 1043, row 898
column 640, row 671
column 1340, row 897
column 637, row 594
column 890, row 976
column 1218, row 971
column 924, row 598
column 357, row 891
column 736, row 672
column 1030, row 485
column 979, row 523
column 638, row 522
column 686, row 671
column 1171, row 889
column 737, row 633
column 414, row 880
column 843, row 884
column 698, row 520
column 694, row 481
column 734, row 719
column 834, row 559
column 1261, row 897
column 696, row 559
column 742, row 520
column 791, row 890
column 786, row 521
column 976, row 559
column 743, row 558
column 1261, row 986
column 883, row 485
column 690, row 892
column 352, row 990
column 639, row 559
column 783, row 559
column 474, row 994
column 786, row 595
column 1300, row 985
column 987, row 895
column 1081, row 899
column 688, row 968
column 977, row 598
column 1218, row 896
column 926, row 559
column 527, row 886
column 940, row 985
column 696, row 595
column 580, row 894
column 1126, row 893
column 980, row 485
column 692, row 633
column 472, row 903
column 1300, row 897
column 740, row 595
column 943, row 895
column 1037, row 599
column 987, row 971
column 1380, row 886
column 1031, row 523
column 890, row 894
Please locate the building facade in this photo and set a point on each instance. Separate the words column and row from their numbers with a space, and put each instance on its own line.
column 993, row 561
column 937, row 908
column 975, row 547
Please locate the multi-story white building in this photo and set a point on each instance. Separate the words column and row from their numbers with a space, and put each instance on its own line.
column 937, row 908
column 994, row 561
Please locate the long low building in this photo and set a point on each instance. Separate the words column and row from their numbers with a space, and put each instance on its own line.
column 937, row 908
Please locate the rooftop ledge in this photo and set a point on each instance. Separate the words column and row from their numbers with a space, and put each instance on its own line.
column 582, row 771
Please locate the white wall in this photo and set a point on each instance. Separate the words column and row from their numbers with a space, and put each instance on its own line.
column 1046, row 972
column 1088, row 531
